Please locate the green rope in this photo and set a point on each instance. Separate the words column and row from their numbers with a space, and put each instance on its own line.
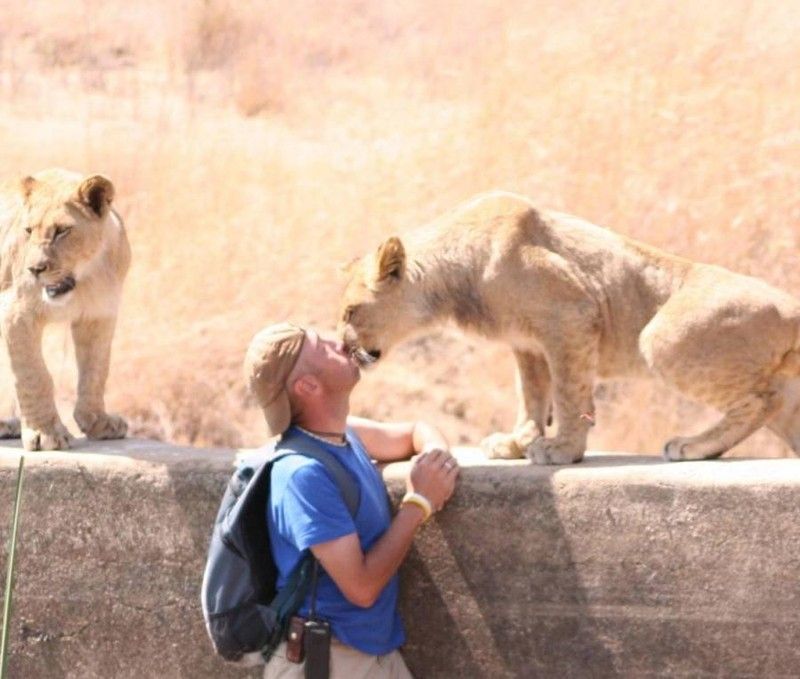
column 10, row 574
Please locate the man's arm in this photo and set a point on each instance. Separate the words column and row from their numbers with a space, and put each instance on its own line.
column 362, row 577
column 387, row 442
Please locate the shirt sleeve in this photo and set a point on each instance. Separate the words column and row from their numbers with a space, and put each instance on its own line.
column 312, row 509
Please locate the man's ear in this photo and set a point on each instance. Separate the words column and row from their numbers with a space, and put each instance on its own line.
column 96, row 192
column 305, row 385
column 390, row 260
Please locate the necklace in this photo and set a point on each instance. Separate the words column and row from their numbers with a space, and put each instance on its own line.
column 321, row 436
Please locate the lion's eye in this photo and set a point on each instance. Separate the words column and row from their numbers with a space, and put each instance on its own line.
column 28, row 230
column 61, row 231
column 348, row 313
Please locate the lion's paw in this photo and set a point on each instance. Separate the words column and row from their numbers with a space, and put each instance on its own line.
column 502, row 446
column 53, row 437
column 554, row 451
column 673, row 450
column 102, row 425
column 10, row 429
column 679, row 448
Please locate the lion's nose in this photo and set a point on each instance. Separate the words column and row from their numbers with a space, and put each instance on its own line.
column 36, row 269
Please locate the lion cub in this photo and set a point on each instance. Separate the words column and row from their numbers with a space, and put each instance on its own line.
column 63, row 257
column 577, row 302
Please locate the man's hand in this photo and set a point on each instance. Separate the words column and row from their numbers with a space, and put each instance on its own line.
column 433, row 475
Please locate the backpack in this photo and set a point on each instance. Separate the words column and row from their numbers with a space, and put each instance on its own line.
column 245, row 615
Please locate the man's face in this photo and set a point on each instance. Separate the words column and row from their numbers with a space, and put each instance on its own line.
column 327, row 359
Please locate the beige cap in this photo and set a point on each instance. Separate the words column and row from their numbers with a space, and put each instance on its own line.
column 271, row 356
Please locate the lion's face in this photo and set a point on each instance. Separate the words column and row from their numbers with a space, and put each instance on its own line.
column 62, row 230
column 377, row 310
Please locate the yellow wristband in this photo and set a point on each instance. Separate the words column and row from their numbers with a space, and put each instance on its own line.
column 420, row 501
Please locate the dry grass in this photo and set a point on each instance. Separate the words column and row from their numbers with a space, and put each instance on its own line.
column 257, row 145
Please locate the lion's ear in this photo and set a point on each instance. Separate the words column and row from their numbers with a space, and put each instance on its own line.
column 390, row 260
column 97, row 192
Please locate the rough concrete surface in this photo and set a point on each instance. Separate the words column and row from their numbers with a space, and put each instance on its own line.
column 617, row 567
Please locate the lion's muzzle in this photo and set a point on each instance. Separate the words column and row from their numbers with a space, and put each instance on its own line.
column 363, row 357
column 62, row 287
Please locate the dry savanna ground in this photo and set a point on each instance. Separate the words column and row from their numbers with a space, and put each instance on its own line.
column 256, row 146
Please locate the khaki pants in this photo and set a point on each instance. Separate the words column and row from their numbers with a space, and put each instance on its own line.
column 346, row 663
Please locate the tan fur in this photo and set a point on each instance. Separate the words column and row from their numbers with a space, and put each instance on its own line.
column 577, row 302
column 57, row 227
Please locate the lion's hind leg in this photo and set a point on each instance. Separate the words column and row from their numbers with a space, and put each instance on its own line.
column 721, row 348
column 742, row 418
column 786, row 420
column 10, row 428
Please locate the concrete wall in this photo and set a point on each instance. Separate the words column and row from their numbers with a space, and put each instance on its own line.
column 617, row 567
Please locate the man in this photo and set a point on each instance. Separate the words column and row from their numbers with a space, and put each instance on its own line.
column 303, row 380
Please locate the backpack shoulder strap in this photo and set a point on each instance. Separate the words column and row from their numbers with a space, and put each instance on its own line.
column 304, row 445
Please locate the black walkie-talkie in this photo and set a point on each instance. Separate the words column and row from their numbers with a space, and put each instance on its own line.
column 316, row 637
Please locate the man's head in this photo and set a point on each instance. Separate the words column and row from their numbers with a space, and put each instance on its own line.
column 293, row 372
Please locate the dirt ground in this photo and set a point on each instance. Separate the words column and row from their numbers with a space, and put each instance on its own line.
column 258, row 146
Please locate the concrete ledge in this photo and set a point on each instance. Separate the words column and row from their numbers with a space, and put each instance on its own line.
column 618, row 567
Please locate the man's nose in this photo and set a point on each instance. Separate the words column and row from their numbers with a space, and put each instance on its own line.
column 38, row 268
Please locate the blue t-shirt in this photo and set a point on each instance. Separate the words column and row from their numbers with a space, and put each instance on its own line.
column 306, row 508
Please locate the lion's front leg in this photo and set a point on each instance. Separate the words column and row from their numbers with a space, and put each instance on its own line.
column 92, row 338
column 573, row 371
column 533, row 394
column 40, row 426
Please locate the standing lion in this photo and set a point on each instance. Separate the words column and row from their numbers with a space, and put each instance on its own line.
column 63, row 257
column 577, row 302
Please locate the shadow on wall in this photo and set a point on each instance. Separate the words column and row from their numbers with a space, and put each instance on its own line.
column 504, row 598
